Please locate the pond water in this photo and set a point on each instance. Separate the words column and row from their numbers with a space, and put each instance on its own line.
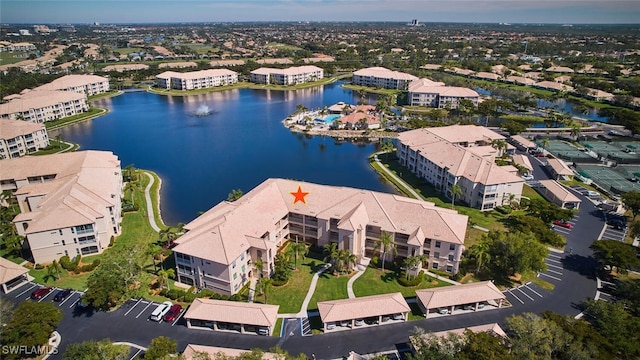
column 238, row 145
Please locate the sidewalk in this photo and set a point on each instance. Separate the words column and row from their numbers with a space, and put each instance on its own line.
column 394, row 177
column 312, row 288
column 150, row 210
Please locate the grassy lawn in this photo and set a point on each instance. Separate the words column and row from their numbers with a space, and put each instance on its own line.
column 371, row 90
column 291, row 295
column 415, row 313
column 93, row 112
column 56, row 146
column 103, row 95
column 7, row 57
column 277, row 327
column 374, row 282
column 330, row 287
column 529, row 192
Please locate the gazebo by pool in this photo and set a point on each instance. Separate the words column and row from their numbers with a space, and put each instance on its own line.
column 232, row 315
column 12, row 275
column 469, row 297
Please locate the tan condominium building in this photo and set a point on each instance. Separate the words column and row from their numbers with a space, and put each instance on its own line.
column 382, row 78
column 424, row 92
column 221, row 246
column 196, row 79
column 83, row 84
column 70, row 203
column 18, row 138
column 460, row 155
column 43, row 105
column 289, row 76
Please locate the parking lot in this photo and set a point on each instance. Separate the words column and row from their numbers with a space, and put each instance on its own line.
column 142, row 309
column 24, row 293
column 566, row 230
column 525, row 293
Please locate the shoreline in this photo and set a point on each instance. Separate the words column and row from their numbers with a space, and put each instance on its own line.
column 351, row 134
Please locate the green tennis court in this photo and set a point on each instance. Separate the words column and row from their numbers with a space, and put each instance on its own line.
column 607, row 178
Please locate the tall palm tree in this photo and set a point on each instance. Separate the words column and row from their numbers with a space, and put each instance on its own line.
column 298, row 249
column 155, row 251
column 54, row 270
column 265, row 285
column 346, row 259
column 164, row 275
column 576, row 131
column 331, row 253
column 386, row 245
column 499, row 145
column 412, row 262
column 480, row 252
column 544, row 143
column 456, row 190
column 259, row 266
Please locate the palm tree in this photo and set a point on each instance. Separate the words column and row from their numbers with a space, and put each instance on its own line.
column 480, row 252
column 499, row 145
column 386, row 245
column 544, row 143
column 576, row 131
column 164, row 275
column 54, row 270
column 301, row 108
column 331, row 253
column 155, row 251
column 265, row 285
column 456, row 190
column 234, row 195
column 346, row 260
column 259, row 266
column 412, row 262
column 131, row 186
column 298, row 249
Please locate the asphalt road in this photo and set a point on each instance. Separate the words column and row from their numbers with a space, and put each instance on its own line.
column 575, row 283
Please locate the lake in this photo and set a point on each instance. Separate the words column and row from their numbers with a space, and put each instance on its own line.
column 239, row 145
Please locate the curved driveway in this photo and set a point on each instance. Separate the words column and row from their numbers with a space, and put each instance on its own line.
column 577, row 285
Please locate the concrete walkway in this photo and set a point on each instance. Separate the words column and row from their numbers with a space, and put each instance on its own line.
column 441, row 278
column 396, row 178
column 312, row 288
column 150, row 210
column 350, row 284
column 252, row 289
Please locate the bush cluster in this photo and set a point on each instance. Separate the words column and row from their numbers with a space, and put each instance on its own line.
column 503, row 209
column 74, row 266
column 189, row 295
column 412, row 281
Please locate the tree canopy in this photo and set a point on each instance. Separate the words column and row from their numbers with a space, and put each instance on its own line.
column 96, row 350
column 631, row 200
column 30, row 326
column 615, row 254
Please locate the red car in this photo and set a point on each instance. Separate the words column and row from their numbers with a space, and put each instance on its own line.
column 173, row 313
column 563, row 223
column 41, row 292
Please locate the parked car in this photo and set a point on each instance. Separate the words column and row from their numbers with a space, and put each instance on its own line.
column 469, row 307
column 618, row 224
column 173, row 313
column 331, row 326
column 528, row 177
column 540, row 154
column 160, row 311
column 345, row 323
column 397, row 316
column 41, row 292
column 359, row 322
column 62, row 294
column 443, row 311
column 481, row 305
column 263, row 331
column 563, row 224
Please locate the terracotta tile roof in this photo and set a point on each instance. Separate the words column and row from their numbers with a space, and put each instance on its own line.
column 559, row 166
column 459, row 294
column 524, row 141
column 559, row 191
column 362, row 307
column 10, row 270
column 384, row 73
column 522, row 160
column 233, row 312
column 38, row 99
column 10, row 129
column 69, row 81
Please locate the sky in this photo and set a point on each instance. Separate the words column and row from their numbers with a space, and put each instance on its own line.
column 176, row 11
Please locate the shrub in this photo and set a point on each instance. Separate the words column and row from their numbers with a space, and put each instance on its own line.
column 39, row 267
column 441, row 273
column 279, row 282
column 206, row 293
column 68, row 265
column 414, row 281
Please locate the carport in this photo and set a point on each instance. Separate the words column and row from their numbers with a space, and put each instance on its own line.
column 12, row 275
column 559, row 169
column 523, row 161
column 559, row 195
column 379, row 309
column 450, row 297
column 522, row 143
column 231, row 315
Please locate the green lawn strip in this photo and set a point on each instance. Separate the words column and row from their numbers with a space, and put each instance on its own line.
column 329, row 287
column 277, row 328
column 108, row 94
column 531, row 276
column 55, row 147
column 291, row 295
column 8, row 57
column 67, row 280
column 155, row 198
column 531, row 193
column 375, row 282
column 415, row 313
column 371, row 90
column 58, row 123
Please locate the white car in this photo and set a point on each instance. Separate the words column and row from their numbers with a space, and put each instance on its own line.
column 359, row 322
column 443, row 311
column 528, row 177
column 160, row 311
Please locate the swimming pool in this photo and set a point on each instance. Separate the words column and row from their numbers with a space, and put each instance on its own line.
column 329, row 119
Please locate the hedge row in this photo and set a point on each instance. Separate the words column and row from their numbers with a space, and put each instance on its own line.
column 189, row 295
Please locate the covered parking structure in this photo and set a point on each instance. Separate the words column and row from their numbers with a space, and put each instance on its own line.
column 558, row 194
column 232, row 315
column 559, row 169
column 522, row 143
column 376, row 309
column 12, row 275
column 473, row 296
column 523, row 162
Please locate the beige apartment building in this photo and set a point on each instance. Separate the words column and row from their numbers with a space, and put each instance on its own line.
column 289, row 76
column 221, row 246
column 196, row 79
column 383, row 78
column 70, row 203
column 424, row 92
column 18, row 138
column 460, row 155
column 82, row 84
column 43, row 105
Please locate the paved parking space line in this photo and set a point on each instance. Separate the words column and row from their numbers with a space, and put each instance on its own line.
column 47, row 295
column 134, row 305
column 555, row 256
column 514, row 295
column 75, row 302
column 533, row 291
column 553, row 277
column 136, row 354
column 179, row 316
column 22, row 293
column 555, row 272
column 554, row 266
column 523, row 293
column 558, row 261
column 145, row 308
column 68, row 297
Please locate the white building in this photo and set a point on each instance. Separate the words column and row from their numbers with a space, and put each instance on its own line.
column 18, row 138
column 382, row 78
column 196, row 79
column 424, row 92
column 460, row 155
column 81, row 84
column 42, row 106
column 290, row 76
column 221, row 246
column 70, row 203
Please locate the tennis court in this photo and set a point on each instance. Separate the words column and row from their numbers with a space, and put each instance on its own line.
column 619, row 151
column 607, row 178
column 566, row 151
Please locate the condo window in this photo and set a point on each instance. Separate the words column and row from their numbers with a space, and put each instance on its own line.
column 449, row 268
column 434, row 266
column 427, row 243
column 452, row 247
column 436, row 255
column 450, row 257
column 438, row 244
